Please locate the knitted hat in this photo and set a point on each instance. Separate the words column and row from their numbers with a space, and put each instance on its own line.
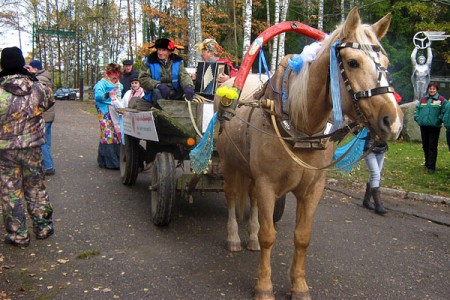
column 36, row 64
column 12, row 60
column 134, row 77
column 209, row 45
column 166, row 44
column 127, row 62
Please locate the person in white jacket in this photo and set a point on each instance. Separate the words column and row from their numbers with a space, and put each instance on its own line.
column 135, row 91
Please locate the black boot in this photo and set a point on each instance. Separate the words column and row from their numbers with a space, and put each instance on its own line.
column 379, row 208
column 366, row 202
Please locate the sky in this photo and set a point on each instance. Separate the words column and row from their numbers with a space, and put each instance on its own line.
column 10, row 38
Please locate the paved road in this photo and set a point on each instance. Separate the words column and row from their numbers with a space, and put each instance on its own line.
column 106, row 247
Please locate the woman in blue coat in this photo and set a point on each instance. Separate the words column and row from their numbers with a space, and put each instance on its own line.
column 107, row 90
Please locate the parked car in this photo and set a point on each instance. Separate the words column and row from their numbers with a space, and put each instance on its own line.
column 65, row 94
column 77, row 93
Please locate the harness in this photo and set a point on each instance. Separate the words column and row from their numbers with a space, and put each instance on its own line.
column 298, row 139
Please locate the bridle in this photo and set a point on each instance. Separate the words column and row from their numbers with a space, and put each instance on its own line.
column 373, row 51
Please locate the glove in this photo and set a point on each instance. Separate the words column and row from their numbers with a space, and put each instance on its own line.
column 165, row 90
column 189, row 92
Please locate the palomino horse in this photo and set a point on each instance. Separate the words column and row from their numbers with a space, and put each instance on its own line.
column 254, row 162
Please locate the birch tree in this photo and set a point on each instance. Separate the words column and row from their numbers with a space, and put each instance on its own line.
column 320, row 17
column 283, row 11
column 274, row 59
column 194, row 29
column 247, row 12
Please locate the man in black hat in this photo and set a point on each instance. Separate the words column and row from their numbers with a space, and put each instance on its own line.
column 21, row 135
column 163, row 75
column 127, row 74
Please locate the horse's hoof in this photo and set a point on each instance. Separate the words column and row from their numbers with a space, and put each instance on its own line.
column 264, row 295
column 234, row 246
column 300, row 295
column 253, row 246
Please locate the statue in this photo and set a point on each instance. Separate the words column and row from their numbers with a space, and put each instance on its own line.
column 421, row 64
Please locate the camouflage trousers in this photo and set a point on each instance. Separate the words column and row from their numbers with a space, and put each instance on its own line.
column 22, row 182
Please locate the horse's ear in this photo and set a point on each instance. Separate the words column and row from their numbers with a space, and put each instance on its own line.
column 352, row 22
column 381, row 27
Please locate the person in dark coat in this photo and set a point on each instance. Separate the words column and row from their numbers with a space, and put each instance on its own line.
column 127, row 74
column 44, row 76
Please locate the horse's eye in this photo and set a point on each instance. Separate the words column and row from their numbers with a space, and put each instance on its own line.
column 353, row 64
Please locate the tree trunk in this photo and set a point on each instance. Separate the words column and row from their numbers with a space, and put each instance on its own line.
column 247, row 26
column 274, row 59
column 320, row 22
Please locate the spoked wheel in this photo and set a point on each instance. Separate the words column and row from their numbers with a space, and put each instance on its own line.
column 163, row 188
column 279, row 208
column 129, row 160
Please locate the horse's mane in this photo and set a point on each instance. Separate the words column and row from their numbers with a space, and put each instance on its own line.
column 298, row 103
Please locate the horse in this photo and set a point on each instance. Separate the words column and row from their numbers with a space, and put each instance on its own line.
column 254, row 162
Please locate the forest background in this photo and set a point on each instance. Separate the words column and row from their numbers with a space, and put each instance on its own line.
column 76, row 38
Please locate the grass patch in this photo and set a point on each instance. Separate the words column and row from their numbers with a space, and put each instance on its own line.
column 86, row 254
column 403, row 169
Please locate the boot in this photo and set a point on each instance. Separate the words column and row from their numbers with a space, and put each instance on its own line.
column 379, row 208
column 366, row 202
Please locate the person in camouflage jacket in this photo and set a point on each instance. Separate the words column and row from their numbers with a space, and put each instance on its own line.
column 22, row 132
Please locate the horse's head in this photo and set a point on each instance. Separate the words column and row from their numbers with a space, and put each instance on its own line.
column 366, row 91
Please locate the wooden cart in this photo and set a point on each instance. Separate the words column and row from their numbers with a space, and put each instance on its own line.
column 178, row 125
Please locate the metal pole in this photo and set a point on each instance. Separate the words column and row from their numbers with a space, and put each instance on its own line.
column 32, row 40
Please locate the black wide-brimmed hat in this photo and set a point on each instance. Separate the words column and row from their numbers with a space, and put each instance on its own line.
column 164, row 43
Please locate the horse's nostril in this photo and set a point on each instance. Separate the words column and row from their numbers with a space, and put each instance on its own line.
column 386, row 123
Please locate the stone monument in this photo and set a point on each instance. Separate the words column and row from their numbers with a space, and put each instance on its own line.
column 421, row 64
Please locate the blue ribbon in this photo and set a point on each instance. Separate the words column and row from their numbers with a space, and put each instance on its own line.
column 351, row 159
column 335, row 89
column 201, row 155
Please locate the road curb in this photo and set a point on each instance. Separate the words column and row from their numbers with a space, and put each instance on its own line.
column 394, row 193
column 415, row 196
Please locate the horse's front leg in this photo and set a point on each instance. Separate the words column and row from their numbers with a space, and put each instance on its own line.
column 306, row 207
column 265, row 200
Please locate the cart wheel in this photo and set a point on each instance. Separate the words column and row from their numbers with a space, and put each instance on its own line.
column 129, row 160
column 279, row 208
column 163, row 188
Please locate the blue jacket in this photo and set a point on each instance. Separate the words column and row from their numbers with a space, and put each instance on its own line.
column 100, row 89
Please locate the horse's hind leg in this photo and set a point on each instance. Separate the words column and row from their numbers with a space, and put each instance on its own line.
column 253, row 224
column 233, row 239
column 235, row 188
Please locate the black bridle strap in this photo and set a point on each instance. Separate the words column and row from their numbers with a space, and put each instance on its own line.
column 381, row 71
column 373, row 92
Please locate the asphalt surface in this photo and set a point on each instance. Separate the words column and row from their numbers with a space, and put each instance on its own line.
column 106, row 247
